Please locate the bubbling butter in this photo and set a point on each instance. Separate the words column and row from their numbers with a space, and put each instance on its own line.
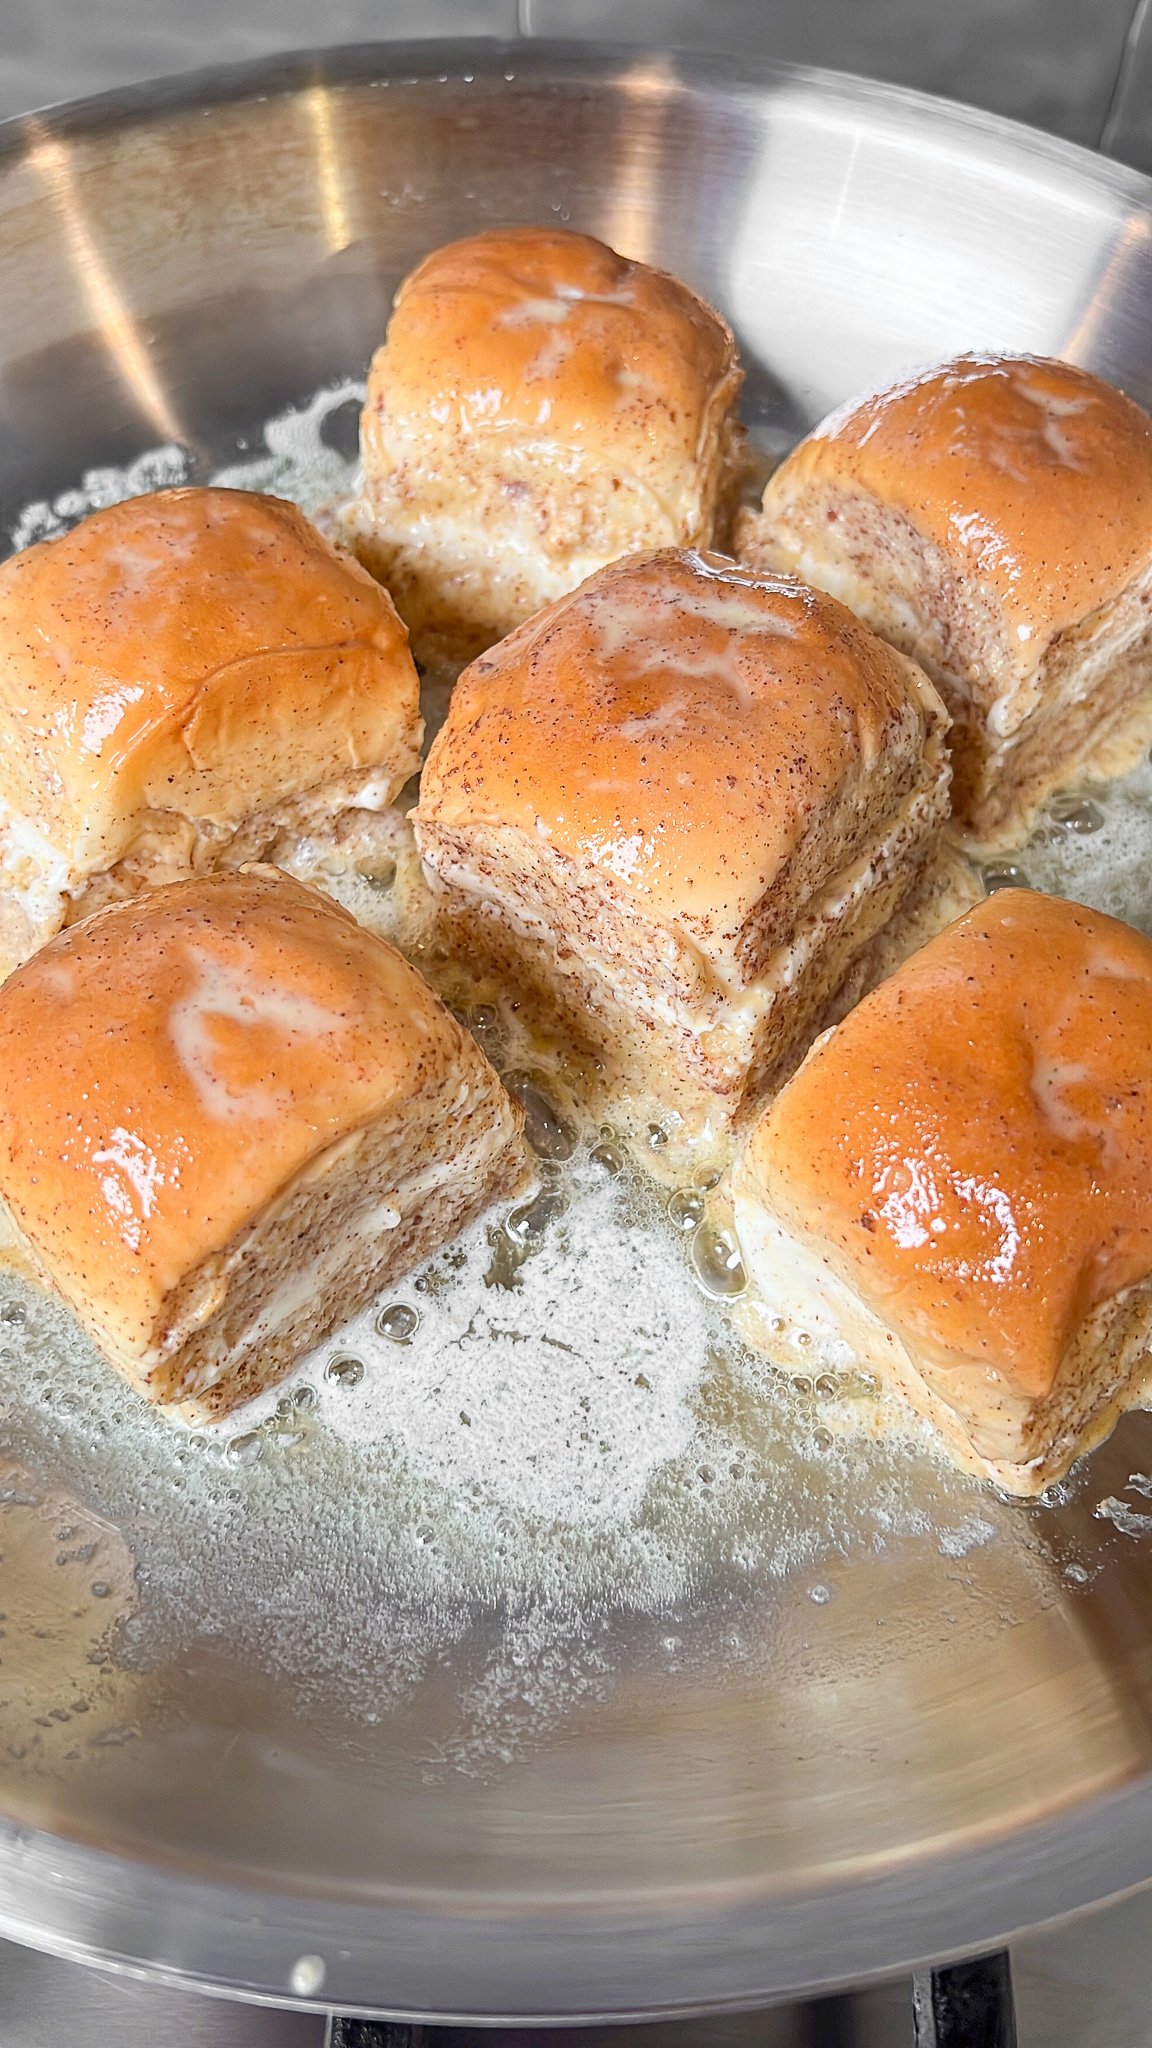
column 555, row 1418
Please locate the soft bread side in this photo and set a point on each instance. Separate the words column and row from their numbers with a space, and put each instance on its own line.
column 229, row 1116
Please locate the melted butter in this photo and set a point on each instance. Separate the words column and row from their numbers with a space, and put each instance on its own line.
column 912, row 1201
column 140, row 565
column 670, row 716
column 232, row 995
column 642, row 624
column 58, row 978
column 534, row 313
column 624, row 296
column 631, row 380
column 649, row 630
column 34, row 872
column 623, row 853
column 130, row 1178
column 1051, row 1078
column 285, row 1301
column 105, row 714
column 1054, row 411
column 1035, row 436
column 58, row 651
column 611, row 1281
column 549, row 358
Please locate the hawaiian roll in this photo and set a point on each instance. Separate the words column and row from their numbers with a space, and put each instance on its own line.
column 993, row 519
column 673, row 810
column 958, row 1183
column 541, row 406
column 228, row 1116
column 188, row 681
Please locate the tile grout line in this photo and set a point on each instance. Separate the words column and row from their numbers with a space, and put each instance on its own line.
column 1140, row 16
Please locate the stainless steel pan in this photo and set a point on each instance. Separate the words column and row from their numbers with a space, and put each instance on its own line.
column 257, row 1791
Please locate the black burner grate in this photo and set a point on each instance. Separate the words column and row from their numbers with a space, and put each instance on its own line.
column 965, row 2005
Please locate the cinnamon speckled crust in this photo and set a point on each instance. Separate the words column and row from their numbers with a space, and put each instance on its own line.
column 541, row 406
column 182, row 677
column 966, row 1164
column 222, row 1088
column 992, row 518
column 682, row 785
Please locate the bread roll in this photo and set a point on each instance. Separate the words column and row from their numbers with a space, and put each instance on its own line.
column 228, row 1116
column 540, row 406
column 674, row 809
column 187, row 681
column 958, row 1182
column 993, row 519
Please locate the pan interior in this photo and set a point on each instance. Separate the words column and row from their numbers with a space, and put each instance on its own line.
column 566, row 1601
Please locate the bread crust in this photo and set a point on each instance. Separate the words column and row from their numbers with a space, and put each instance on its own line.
column 229, row 1113
column 963, row 1169
column 541, row 406
column 993, row 519
column 683, row 799
column 186, row 678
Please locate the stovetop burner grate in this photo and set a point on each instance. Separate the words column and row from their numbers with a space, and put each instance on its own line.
column 46, row 2002
column 965, row 2005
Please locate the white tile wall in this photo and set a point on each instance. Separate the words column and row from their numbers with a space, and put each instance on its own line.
column 1053, row 62
column 60, row 49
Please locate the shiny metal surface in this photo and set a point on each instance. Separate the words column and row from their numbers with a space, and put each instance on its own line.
column 956, row 1742
column 1052, row 62
column 46, row 2003
column 1087, row 1984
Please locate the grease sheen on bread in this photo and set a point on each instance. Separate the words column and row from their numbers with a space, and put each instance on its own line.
column 541, row 406
column 678, row 805
column 229, row 1116
column 958, row 1181
column 188, row 680
column 992, row 518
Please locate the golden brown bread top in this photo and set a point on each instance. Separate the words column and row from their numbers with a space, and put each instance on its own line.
column 542, row 335
column 1034, row 476
column 973, row 1145
column 682, row 724
column 204, row 651
column 172, row 1064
